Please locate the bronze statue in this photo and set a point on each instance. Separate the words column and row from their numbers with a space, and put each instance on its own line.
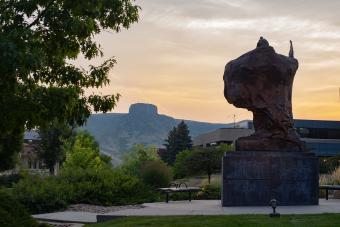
column 261, row 81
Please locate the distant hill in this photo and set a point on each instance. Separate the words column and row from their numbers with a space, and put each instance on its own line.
column 116, row 132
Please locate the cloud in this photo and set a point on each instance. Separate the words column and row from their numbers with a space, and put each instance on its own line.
column 176, row 54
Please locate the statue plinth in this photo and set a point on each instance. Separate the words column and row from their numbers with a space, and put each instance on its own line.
column 253, row 178
column 273, row 162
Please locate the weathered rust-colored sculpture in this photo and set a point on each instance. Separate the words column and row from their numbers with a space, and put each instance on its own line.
column 261, row 81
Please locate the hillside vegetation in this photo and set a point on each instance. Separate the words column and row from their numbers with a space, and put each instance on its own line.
column 117, row 133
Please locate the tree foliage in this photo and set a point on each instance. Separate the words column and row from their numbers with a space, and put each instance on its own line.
column 137, row 156
column 83, row 152
column 178, row 140
column 156, row 174
column 12, row 213
column 144, row 163
column 51, row 144
column 38, row 83
column 200, row 160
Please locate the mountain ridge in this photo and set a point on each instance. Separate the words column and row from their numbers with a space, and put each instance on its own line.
column 118, row 132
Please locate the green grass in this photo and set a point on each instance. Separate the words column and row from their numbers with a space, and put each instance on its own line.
column 327, row 220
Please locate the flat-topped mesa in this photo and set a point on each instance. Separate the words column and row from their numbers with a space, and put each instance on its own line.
column 261, row 81
column 143, row 109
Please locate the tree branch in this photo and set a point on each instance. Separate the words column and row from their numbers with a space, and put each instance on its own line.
column 42, row 13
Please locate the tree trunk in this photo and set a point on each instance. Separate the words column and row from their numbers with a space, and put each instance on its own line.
column 51, row 169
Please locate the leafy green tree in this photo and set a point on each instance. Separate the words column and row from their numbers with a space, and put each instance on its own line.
column 38, row 82
column 178, row 140
column 156, row 174
column 200, row 160
column 137, row 156
column 51, row 144
column 83, row 152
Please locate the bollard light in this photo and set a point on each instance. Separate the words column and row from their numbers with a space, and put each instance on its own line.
column 273, row 204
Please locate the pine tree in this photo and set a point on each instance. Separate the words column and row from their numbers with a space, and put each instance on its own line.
column 184, row 140
column 178, row 140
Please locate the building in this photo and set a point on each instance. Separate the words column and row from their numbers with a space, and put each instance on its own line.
column 321, row 137
column 28, row 157
column 221, row 136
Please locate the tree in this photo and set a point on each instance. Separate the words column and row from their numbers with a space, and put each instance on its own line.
column 200, row 160
column 38, row 83
column 178, row 140
column 137, row 157
column 83, row 152
column 156, row 174
column 52, row 139
column 180, row 168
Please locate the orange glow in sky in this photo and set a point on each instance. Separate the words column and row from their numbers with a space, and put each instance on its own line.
column 175, row 56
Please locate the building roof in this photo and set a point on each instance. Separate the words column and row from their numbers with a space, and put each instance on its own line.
column 221, row 135
column 31, row 135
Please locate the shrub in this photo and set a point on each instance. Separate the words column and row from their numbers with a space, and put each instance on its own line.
column 98, row 187
column 210, row 191
column 325, row 179
column 137, row 156
column 87, row 177
column 328, row 165
column 104, row 187
column 156, row 174
column 8, row 180
column 40, row 194
column 336, row 176
column 13, row 214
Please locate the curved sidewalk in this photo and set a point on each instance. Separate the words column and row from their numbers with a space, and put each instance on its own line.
column 196, row 207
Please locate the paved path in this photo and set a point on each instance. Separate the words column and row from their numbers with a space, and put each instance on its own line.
column 196, row 207
column 213, row 207
column 68, row 217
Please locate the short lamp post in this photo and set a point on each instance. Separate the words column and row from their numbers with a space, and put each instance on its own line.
column 273, row 204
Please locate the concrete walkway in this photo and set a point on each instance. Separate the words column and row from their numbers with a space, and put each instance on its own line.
column 68, row 217
column 196, row 207
column 213, row 207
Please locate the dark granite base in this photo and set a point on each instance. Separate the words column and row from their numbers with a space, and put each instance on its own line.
column 253, row 178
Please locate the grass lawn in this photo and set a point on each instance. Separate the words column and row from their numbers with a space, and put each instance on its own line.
column 328, row 220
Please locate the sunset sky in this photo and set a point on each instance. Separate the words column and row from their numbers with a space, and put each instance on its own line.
column 175, row 56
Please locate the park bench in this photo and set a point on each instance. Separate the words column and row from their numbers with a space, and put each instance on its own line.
column 329, row 187
column 178, row 187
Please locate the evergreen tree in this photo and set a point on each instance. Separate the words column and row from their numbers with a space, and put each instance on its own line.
column 178, row 140
column 184, row 140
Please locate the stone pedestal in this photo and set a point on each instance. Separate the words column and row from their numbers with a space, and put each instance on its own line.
column 253, row 178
